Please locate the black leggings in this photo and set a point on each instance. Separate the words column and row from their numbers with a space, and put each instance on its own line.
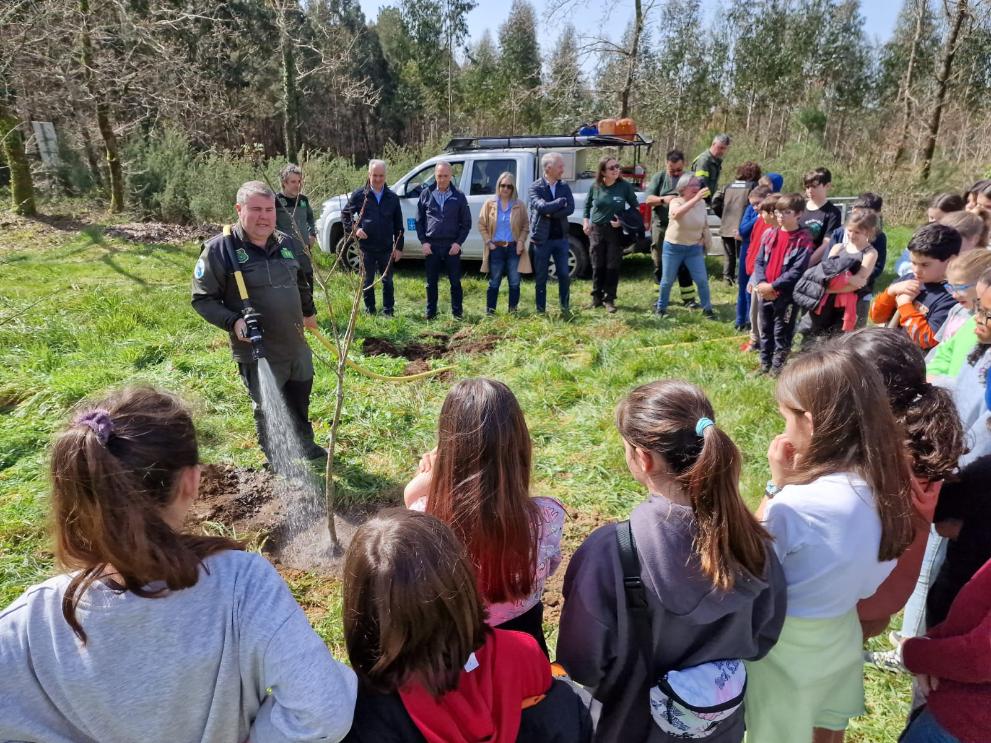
column 532, row 622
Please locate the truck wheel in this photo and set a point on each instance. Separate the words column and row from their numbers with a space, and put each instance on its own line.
column 350, row 254
column 578, row 262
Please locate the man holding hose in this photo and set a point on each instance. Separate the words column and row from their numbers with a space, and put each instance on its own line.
column 278, row 279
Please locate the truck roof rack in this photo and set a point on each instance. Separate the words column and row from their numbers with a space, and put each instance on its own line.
column 546, row 142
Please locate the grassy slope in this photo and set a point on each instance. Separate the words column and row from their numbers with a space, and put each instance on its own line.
column 109, row 312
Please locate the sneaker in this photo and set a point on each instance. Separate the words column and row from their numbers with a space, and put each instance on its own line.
column 369, row 310
column 709, row 314
column 490, row 312
column 387, row 313
column 691, row 304
column 610, row 307
column 754, row 348
column 594, row 304
column 887, row 660
column 745, row 346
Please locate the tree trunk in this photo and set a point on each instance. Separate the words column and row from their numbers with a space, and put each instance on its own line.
column 21, row 186
column 104, row 119
column 909, row 81
column 290, row 95
column 942, row 83
column 631, row 67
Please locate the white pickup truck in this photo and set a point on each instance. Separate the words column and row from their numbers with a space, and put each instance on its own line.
column 476, row 164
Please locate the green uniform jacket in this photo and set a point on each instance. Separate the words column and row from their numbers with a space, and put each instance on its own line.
column 603, row 203
column 661, row 185
column 952, row 354
column 707, row 167
column 279, row 278
column 295, row 217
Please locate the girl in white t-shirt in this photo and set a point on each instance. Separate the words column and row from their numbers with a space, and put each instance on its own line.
column 838, row 507
column 477, row 480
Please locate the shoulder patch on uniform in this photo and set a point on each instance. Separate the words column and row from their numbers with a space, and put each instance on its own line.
column 287, row 253
column 242, row 255
column 200, row 269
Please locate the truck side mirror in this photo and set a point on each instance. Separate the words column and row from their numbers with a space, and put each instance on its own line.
column 413, row 189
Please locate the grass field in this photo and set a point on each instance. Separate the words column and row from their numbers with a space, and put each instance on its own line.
column 81, row 312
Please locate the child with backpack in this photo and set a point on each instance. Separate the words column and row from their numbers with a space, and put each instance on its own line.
column 782, row 257
column 477, row 480
column 431, row 669
column 838, row 509
column 154, row 633
column 705, row 589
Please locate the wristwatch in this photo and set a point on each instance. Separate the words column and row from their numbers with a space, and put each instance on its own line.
column 771, row 490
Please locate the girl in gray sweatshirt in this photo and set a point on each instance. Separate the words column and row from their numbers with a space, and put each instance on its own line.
column 156, row 635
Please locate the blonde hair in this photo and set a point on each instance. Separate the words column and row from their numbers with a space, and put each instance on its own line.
column 969, row 225
column 506, row 176
column 971, row 264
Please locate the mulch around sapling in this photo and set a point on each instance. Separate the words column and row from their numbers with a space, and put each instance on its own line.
column 264, row 510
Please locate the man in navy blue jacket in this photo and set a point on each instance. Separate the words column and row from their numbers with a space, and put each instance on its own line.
column 551, row 203
column 442, row 224
column 375, row 216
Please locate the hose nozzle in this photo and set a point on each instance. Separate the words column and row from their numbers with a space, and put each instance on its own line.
column 254, row 322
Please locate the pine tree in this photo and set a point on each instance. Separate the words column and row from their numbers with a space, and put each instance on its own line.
column 519, row 63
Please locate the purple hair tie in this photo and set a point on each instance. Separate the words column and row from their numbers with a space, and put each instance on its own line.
column 98, row 421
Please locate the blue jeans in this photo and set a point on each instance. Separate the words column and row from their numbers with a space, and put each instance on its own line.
column 503, row 261
column 377, row 261
column 673, row 256
column 914, row 619
column 542, row 254
column 440, row 258
column 742, row 293
column 925, row 729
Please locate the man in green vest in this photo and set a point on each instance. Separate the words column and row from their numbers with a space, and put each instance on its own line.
column 708, row 165
column 294, row 215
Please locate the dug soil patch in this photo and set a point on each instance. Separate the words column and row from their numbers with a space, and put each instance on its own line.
column 258, row 507
column 432, row 345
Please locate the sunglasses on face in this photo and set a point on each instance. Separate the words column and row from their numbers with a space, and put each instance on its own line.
column 505, row 185
column 958, row 288
column 612, row 167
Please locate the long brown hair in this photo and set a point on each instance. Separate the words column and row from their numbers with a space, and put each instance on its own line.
column 662, row 417
column 927, row 415
column 481, row 485
column 113, row 471
column 600, row 174
column 412, row 611
column 853, row 430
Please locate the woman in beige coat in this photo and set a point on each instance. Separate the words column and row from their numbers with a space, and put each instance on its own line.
column 504, row 225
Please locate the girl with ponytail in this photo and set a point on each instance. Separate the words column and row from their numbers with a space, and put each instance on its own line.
column 714, row 589
column 155, row 634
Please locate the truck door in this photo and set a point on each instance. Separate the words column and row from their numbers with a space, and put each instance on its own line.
column 410, row 196
column 480, row 186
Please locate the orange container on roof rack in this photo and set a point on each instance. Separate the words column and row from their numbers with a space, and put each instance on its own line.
column 607, row 126
column 626, row 128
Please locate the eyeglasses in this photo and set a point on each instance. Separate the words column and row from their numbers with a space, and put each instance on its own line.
column 958, row 288
column 982, row 316
column 612, row 167
column 505, row 185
